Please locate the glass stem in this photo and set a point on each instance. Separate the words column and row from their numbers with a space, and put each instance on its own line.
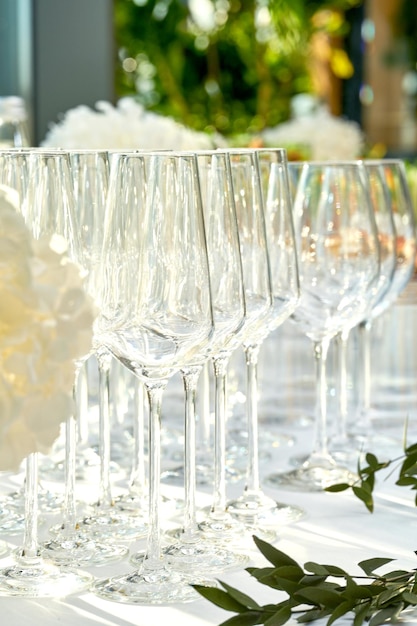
column 341, row 421
column 153, row 549
column 105, row 497
column 69, row 512
column 365, row 376
column 190, row 379
column 29, row 552
column 69, row 509
column 137, row 482
column 82, row 405
column 252, row 471
column 203, row 442
column 220, row 411
column 321, row 349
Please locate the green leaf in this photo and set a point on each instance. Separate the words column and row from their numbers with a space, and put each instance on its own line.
column 411, row 449
column 410, row 597
column 273, row 555
column 240, row 597
column 359, row 592
column 369, row 483
column 384, row 615
column 370, row 565
column 271, row 578
column 311, row 615
column 289, row 572
column 365, row 495
column 310, row 580
column 260, row 572
column 337, row 487
column 405, row 481
column 402, row 574
column 318, row 596
column 361, row 613
column 390, row 594
column 283, row 584
column 325, row 570
column 280, row 617
column 244, row 619
column 371, row 460
column 409, row 465
column 340, row 610
column 220, row 598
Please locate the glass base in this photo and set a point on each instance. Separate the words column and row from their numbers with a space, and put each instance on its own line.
column 315, row 474
column 267, row 439
column 346, row 452
column 388, row 447
column 221, row 527
column 260, row 510
column 197, row 551
column 48, row 502
column 80, row 550
column 87, row 466
column 133, row 504
column 114, row 524
column 150, row 586
column 12, row 521
column 136, row 504
column 204, row 474
column 41, row 579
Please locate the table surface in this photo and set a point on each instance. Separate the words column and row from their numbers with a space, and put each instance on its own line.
column 336, row 529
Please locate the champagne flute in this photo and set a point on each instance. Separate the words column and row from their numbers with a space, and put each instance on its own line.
column 156, row 316
column 339, row 263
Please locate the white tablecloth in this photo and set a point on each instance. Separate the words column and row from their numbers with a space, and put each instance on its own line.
column 336, row 528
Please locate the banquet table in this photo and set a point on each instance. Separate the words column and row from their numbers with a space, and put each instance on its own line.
column 336, row 527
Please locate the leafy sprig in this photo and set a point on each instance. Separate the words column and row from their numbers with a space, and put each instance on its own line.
column 317, row 591
column 363, row 487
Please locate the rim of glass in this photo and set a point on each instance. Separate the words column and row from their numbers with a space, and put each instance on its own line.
column 334, row 163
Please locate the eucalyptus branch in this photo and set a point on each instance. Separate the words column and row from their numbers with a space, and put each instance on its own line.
column 317, row 591
column 363, row 487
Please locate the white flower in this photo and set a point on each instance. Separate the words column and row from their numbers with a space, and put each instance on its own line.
column 325, row 136
column 125, row 126
column 46, row 322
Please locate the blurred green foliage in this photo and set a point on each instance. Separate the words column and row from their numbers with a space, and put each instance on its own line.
column 226, row 65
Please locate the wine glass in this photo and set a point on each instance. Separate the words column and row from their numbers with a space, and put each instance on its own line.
column 404, row 222
column 341, row 444
column 219, row 523
column 48, row 209
column 156, row 315
column 253, row 506
column 339, row 262
column 13, row 174
column 90, row 172
column 192, row 547
column 68, row 543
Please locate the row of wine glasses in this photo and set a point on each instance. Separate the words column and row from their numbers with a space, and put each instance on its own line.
column 190, row 257
column 381, row 248
column 179, row 310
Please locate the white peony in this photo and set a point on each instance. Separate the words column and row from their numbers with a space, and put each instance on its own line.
column 46, row 322
column 124, row 126
column 325, row 136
